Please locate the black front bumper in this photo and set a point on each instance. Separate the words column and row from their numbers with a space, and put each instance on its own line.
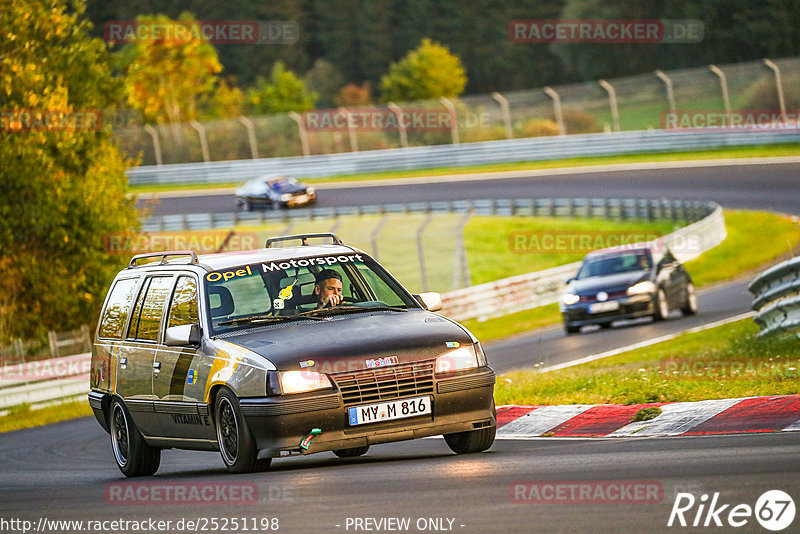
column 631, row 307
column 460, row 402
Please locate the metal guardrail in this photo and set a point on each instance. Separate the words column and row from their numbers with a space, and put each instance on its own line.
column 777, row 302
column 425, row 157
column 44, row 381
column 526, row 291
column 612, row 208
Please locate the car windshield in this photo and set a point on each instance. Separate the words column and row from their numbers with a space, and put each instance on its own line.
column 283, row 291
column 613, row 264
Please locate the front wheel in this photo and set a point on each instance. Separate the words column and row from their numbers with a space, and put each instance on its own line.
column 236, row 443
column 133, row 455
column 662, row 306
column 471, row 440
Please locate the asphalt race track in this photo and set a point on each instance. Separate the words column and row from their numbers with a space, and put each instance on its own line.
column 66, row 470
column 771, row 187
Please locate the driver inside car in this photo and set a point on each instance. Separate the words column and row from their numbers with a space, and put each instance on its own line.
column 328, row 289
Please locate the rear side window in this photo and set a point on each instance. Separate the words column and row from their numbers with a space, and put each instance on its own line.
column 117, row 309
column 183, row 309
column 146, row 321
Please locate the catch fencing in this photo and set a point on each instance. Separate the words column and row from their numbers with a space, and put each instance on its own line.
column 777, row 302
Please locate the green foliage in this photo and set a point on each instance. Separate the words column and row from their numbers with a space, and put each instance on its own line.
column 63, row 188
column 283, row 92
column 646, row 414
column 428, row 72
column 325, row 80
column 165, row 79
column 538, row 128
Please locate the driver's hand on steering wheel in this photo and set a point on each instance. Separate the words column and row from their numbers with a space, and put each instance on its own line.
column 333, row 299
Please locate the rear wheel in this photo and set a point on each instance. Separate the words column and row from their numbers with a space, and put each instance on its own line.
column 236, row 443
column 690, row 306
column 352, row 452
column 134, row 457
column 605, row 326
column 662, row 306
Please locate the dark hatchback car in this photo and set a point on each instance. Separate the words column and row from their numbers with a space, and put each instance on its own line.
column 274, row 192
column 626, row 283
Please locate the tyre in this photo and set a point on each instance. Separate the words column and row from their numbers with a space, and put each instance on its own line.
column 247, row 206
column 571, row 329
column 662, row 306
column 690, row 306
column 605, row 326
column 472, row 440
column 236, row 443
column 351, row 453
column 134, row 457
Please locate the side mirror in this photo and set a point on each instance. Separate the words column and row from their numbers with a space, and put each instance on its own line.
column 568, row 280
column 182, row 335
column 430, row 301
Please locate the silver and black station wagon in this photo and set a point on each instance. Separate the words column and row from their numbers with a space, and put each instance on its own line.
column 280, row 351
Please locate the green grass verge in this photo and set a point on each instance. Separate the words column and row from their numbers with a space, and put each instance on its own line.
column 754, row 239
column 22, row 416
column 723, row 362
column 789, row 149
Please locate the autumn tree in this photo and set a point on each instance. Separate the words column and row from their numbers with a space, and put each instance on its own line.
column 281, row 92
column 62, row 179
column 165, row 79
column 430, row 71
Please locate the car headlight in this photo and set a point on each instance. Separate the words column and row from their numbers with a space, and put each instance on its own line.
column 570, row 298
column 286, row 197
column 642, row 287
column 302, row 381
column 310, row 190
column 457, row 360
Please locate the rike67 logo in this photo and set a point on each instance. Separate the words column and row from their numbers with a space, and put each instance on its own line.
column 774, row 510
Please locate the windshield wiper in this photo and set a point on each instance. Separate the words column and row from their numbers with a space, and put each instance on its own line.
column 265, row 319
column 340, row 310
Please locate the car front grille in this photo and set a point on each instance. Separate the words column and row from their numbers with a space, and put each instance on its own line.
column 386, row 383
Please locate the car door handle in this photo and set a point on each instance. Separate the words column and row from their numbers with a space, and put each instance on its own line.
column 123, row 363
column 157, row 367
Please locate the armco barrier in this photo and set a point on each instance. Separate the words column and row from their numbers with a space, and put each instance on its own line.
column 44, row 381
column 777, row 302
column 527, row 291
column 426, row 157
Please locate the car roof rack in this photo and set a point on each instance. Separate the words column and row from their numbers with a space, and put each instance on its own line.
column 304, row 239
column 163, row 255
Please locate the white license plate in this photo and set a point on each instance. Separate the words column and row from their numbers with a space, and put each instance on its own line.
column 600, row 307
column 299, row 199
column 387, row 411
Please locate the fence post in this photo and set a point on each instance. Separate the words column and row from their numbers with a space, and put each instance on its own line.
column 302, row 129
column 771, row 64
column 86, row 338
column 503, row 101
column 723, row 82
column 461, row 276
column 351, row 130
column 373, row 238
column 421, row 251
column 251, row 136
column 670, row 95
column 454, row 124
column 153, row 133
column 549, row 91
column 201, row 132
column 612, row 100
column 401, row 125
column 52, row 337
